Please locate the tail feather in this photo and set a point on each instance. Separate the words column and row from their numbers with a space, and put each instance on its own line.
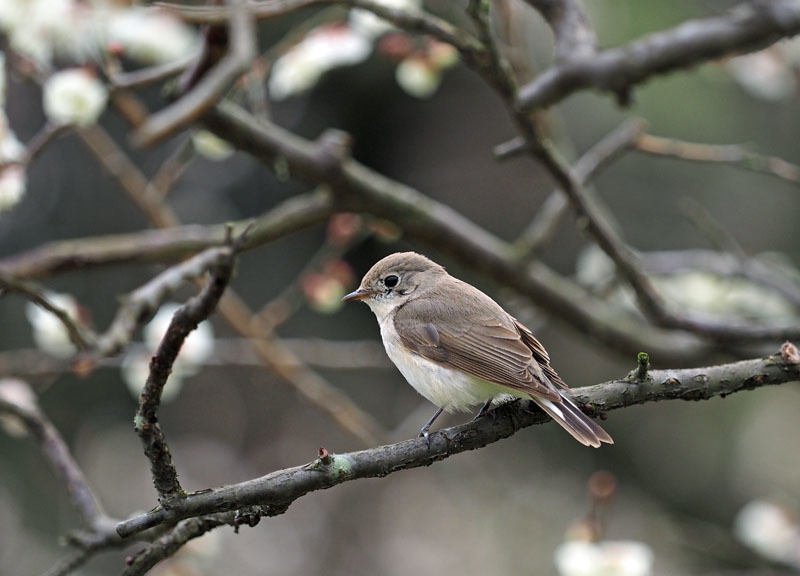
column 573, row 420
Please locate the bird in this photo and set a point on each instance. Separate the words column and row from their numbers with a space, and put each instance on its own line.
column 460, row 349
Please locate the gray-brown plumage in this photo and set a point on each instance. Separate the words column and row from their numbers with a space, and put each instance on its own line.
column 459, row 348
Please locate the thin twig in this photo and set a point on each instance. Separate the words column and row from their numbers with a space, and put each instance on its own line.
column 730, row 154
column 282, row 487
column 143, row 302
column 185, row 320
column 154, row 75
column 18, row 399
column 555, row 207
column 81, row 336
column 211, row 87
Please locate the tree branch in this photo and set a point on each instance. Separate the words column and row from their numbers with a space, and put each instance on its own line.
column 279, row 489
column 186, row 319
column 170, row 244
column 748, row 27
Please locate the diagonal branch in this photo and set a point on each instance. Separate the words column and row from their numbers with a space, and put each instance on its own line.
column 211, row 87
column 186, row 319
column 748, row 27
column 279, row 489
column 574, row 35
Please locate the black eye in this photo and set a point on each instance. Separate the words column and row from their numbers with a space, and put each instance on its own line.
column 391, row 281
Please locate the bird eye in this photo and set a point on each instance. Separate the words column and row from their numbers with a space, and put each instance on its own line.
column 391, row 281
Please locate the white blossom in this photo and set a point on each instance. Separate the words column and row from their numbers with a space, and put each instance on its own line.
column 372, row 26
column 12, row 186
column 321, row 50
column 74, row 96
column 49, row 332
column 418, row 77
column 41, row 29
column 151, row 36
column 609, row 558
column 770, row 531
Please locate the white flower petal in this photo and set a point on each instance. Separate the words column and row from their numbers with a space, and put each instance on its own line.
column 74, row 96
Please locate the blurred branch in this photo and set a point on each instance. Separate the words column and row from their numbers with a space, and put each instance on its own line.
column 185, row 320
column 82, row 337
column 19, row 400
column 153, row 75
column 209, row 88
column 747, row 27
column 279, row 489
column 555, row 207
column 573, row 32
column 735, row 155
column 316, row 352
column 169, row 244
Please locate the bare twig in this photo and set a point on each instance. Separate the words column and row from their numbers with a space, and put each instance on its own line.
column 143, row 302
column 748, row 27
column 281, row 488
column 186, row 319
column 82, row 337
column 555, row 207
column 186, row 530
column 207, row 92
column 17, row 399
column 154, row 75
column 734, row 155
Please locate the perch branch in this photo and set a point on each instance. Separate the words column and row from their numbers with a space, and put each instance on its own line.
column 279, row 489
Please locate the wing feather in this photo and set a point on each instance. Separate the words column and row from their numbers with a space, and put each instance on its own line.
column 491, row 346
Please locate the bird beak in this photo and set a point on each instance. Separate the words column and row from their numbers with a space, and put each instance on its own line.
column 357, row 295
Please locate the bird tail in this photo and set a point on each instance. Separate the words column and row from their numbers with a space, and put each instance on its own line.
column 573, row 420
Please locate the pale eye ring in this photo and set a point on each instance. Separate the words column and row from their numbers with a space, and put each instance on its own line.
column 391, row 280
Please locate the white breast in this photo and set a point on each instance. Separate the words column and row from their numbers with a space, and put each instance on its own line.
column 453, row 390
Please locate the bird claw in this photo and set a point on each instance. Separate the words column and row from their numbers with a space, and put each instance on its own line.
column 425, row 433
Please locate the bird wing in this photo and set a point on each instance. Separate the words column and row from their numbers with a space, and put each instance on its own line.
column 492, row 345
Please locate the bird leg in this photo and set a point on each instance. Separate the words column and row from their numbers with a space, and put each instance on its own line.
column 486, row 407
column 424, row 431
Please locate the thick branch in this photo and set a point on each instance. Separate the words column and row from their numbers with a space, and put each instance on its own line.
column 279, row 489
column 746, row 28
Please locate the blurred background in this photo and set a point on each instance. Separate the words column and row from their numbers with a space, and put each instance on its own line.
column 682, row 470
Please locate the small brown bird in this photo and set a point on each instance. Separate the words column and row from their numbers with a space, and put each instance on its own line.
column 459, row 349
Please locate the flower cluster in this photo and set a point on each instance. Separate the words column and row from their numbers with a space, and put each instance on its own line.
column 46, row 35
column 420, row 63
